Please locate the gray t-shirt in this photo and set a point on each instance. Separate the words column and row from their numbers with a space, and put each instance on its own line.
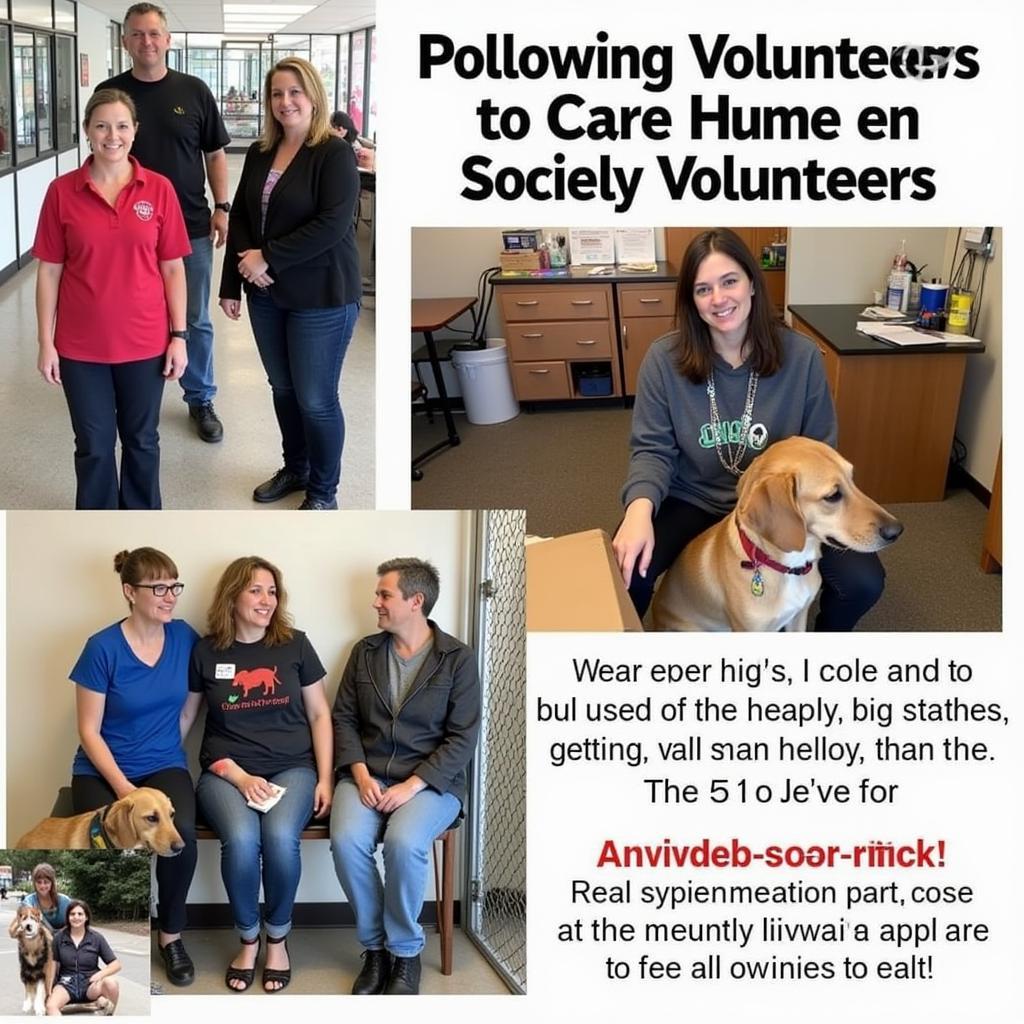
column 672, row 445
column 402, row 672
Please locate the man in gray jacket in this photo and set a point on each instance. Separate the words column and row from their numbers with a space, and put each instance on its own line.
column 406, row 721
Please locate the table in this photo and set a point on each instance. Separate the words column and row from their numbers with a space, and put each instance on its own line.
column 896, row 407
column 429, row 315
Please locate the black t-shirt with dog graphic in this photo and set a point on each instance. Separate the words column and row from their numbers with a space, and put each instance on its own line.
column 254, row 709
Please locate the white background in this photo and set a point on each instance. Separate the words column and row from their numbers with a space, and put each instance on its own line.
column 970, row 133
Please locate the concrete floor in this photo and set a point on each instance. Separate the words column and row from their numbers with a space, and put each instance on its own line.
column 35, row 431
column 325, row 961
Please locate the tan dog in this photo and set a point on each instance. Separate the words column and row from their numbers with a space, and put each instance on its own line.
column 758, row 568
column 35, row 955
column 142, row 820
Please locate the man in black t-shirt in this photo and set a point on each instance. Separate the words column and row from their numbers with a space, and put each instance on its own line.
column 182, row 136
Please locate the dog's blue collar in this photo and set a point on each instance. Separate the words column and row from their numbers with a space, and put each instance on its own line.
column 98, row 838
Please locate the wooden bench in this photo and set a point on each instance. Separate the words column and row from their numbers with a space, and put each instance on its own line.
column 444, row 881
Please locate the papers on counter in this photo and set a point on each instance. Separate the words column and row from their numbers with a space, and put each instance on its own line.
column 884, row 313
column 904, row 335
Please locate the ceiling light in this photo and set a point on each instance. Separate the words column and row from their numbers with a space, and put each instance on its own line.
column 294, row 9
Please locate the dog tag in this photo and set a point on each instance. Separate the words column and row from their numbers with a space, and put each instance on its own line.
column 757, row 584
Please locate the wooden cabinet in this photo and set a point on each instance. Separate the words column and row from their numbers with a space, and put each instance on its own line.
column 896, row 415
column 557, row 334
column 992, row 546
column 647, row 312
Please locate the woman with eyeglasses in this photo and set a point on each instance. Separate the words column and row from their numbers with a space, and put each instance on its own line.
column 131, row 684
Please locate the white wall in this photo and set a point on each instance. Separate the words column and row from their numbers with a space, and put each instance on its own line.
column 62, row 588
column 32, row 185
column 8, row 237
column 850, row 264
column 92, row 41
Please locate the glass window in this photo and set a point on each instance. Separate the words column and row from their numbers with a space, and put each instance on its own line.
column 44, row 93
column 243, row 84
column 67, row 94
column 24, row 95
column 204, row 63
column 341, row 98
column 325, row 60
column 357, row 74
column 64, row 11
column 370, row 125
column 5, row 97
column 176, row 59
column 32, row 12
column 291, row 46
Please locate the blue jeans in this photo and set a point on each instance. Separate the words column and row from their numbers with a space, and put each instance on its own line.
column 197, row 380
column 387, row 913
column 246, row 836
column 302, row 351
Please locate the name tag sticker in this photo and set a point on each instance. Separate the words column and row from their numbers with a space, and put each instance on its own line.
column 224, row 672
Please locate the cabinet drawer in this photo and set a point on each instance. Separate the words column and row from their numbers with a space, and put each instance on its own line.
column 537, row 381
column 588, row 339
column 647, row 300
column 570, row 303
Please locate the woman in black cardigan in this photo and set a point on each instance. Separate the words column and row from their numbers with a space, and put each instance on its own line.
column 291, row 245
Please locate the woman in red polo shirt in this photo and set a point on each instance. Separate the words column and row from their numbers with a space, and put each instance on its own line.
column 110, row 303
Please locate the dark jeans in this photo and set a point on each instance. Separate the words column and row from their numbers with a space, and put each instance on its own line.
column 851, row 581
column 302, row 351
column 107, row 401
column 173, row 874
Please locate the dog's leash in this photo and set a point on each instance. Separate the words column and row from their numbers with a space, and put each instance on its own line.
column 756, row 558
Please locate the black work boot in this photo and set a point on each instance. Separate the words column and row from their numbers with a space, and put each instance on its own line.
column 281, row 484
column 208, row 426
column 374, row 975
column 405, row 977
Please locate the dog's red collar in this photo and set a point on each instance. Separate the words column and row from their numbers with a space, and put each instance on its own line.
column 756, row 558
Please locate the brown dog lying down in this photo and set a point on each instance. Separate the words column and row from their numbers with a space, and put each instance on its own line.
column 758, row 568
column 35, row 955
column 142, row 820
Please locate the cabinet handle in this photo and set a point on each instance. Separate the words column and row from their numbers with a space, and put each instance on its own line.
column 592, row 342
column 582, row 302
column 650, row 300
column 625, row 338
column 540, row 371
column 536, row 334
column 531, row 302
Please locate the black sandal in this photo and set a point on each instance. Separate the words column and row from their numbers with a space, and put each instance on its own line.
column 272, row 975
column 246, row 975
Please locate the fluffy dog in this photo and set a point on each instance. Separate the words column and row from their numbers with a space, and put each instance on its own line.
column 758, row 568
column 142, row 820
column 35, row 954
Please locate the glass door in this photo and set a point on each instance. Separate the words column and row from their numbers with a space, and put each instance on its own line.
column 242, row 90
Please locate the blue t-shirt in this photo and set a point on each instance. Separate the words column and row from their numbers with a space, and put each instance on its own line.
column 143, row 703
column 56, row 918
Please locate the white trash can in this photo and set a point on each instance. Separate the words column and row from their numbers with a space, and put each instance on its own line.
column 486, row 383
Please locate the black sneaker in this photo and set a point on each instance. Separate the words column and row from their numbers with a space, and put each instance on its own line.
column 282, row 483
column 316, row 505
column 208, row 426
column 405, row 977
column 375, row 973
column 178, row 964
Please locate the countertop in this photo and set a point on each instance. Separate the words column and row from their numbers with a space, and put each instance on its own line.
column 837, row 326
column 666, row 273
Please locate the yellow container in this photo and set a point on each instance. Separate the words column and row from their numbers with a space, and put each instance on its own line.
column 959, row 318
